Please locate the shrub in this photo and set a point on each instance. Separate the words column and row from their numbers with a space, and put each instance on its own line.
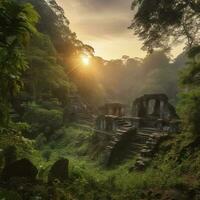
column 40, row 140
column 9, row 195
column 43, row 120
column 189, row 109
column 46, row 154
column 189, row 106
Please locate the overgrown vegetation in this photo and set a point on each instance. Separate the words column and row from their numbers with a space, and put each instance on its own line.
column 38, row 55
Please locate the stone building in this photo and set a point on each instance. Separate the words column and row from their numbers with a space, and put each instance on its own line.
column 109, row 115
column 115, row 109
column 154, row 108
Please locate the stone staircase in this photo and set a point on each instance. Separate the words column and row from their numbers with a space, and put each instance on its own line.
column 128, row 142
column 116, row 148
column 148, row 140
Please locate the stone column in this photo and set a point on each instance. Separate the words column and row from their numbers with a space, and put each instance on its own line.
column 157, row 108
column 162, row 109
column 141, row 109
column 146, row 106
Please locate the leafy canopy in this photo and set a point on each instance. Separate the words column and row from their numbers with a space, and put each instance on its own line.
column 17, row 23
column 45, row 75
column 159, row 23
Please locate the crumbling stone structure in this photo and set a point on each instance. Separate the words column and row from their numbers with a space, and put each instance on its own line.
column 106, row 123
column 120, row 137
column 154, row 110
column 115, row 109
column 109, row 115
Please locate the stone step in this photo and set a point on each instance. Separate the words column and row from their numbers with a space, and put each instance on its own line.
column 146, row 152
column 148, row 148
column 116, row 139
column 149, row 130
column 112, row 143
column 140, row 165
column 125, row 128
column 133, row 145
column 146, row 135
column 144, row 159
column 121, row 131
column 151, row 143
column 119, row 134
column 109, row 148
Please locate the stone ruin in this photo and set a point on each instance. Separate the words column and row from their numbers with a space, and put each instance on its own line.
column 120, row 137
column 109, row 114
column 150, row 110
column 115, row 109
column 154, row 110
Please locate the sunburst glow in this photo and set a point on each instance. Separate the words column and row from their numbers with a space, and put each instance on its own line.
column 85, row 60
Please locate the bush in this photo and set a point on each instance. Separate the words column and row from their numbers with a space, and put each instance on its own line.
column 9, row 195
column 46, row 155
column 40, row 140
column 189, row 106
column 43, row 120
column 189, row 109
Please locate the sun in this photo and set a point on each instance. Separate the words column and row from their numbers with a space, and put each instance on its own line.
column 85, row 60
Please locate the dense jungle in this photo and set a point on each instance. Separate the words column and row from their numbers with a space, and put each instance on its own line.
column 77, row 124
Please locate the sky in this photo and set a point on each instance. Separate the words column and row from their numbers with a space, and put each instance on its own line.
column 103, row 24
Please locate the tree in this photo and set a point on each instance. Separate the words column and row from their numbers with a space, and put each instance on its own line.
column 189, row 105
column 54, row 24
column 17, row 23
column 160, row 23
column 44, row 77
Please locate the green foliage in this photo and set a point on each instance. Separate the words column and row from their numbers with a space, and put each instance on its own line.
column 189, row 105
column 17, row 23
column 189, row 109
column 190, row 77
column 9, row 195
column 54, row 25
column 87, row 180
column 45, row 77
column 161, row 23
column 15, row 145
column 43, row 120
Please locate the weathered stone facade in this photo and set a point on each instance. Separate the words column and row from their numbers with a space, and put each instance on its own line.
column 106, row 123
column 153, row 118
column 115, row 109
column 153, row 105
column 154, row 110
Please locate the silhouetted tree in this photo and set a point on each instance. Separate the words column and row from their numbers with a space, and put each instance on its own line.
column 160, row 23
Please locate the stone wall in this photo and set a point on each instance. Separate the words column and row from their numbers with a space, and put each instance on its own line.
column 106, row 123
column 154, row 110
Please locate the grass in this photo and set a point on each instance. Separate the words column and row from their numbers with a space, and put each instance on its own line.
column 91, row 181
column 89, row 176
